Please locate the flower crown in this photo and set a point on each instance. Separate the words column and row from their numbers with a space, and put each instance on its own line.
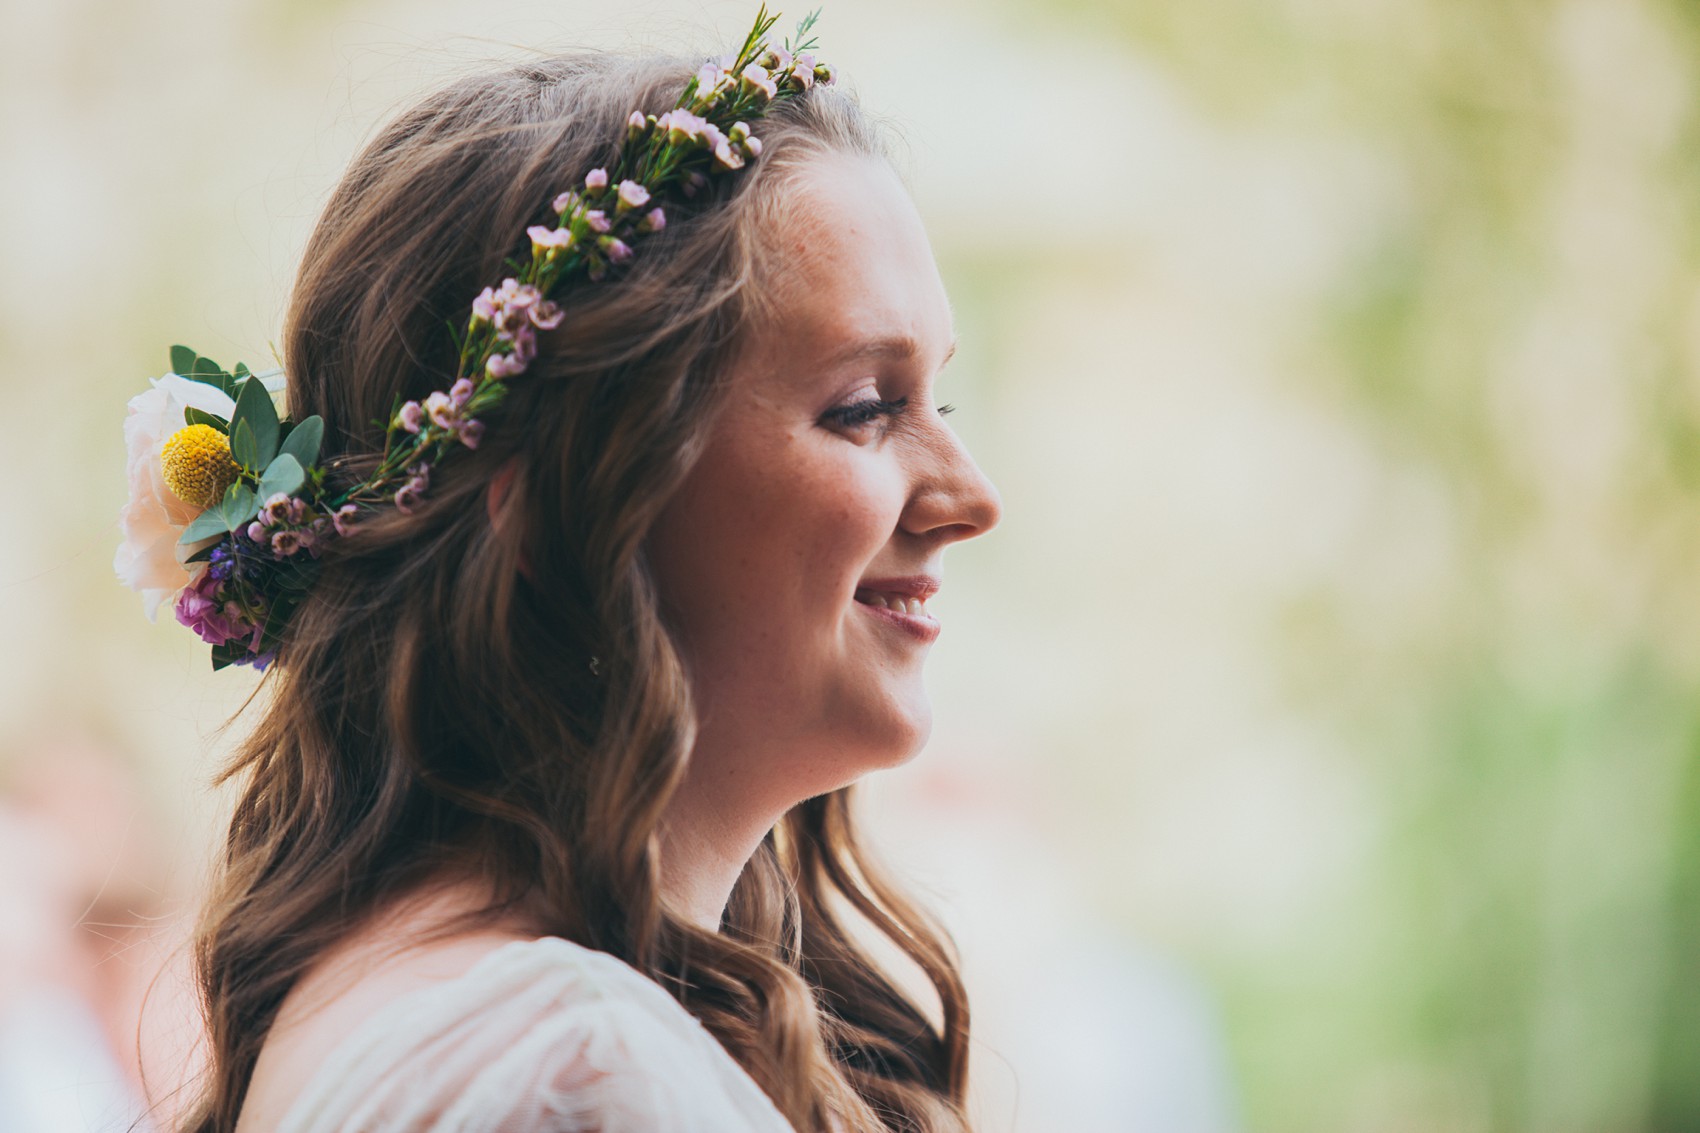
column 228, row 505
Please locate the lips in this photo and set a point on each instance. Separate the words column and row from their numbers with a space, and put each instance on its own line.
column 902, row 603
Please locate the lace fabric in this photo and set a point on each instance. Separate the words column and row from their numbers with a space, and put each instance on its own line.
column 540, row 1036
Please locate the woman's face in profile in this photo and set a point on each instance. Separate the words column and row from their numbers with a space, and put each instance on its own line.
column 796, row 560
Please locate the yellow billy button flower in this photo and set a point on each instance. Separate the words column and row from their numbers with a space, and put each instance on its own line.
column 197, row 465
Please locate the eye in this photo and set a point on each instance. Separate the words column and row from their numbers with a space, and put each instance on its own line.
column 859, row 413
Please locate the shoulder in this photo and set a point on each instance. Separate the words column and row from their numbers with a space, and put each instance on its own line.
column 497, row 1032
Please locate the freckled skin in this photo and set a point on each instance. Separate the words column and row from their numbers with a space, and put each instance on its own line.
column 758, row 557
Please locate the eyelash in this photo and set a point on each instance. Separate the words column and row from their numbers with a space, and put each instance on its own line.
column 862, row 412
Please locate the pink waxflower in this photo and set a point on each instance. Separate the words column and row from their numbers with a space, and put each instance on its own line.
column 654, row 221
column 727, row 157
column 547, row 315
column 805, row 76
column 776, row 59
column 597, row 220
column 617, row 250
column 709, row 77
column 549, row 239
column 343, row 520
column 637, row 124
column 286, row 543
column 755, row 78
column 411, row 416
column 257, row 532
column 596, row 180
column 752, row 146
column 565, row 202
column 461, row 392
column 275, row 510
column 484, row 307
column 632, row 195
column 470, row 433
column 407, row 498
column 502, row 366
column 441, row 410
column 825, row 75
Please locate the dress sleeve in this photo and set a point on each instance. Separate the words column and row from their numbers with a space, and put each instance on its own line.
column 540, row 1037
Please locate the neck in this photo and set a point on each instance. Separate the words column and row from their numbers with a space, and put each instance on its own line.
column 707, row 838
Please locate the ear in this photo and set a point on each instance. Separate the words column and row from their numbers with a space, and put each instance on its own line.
column 495, row 506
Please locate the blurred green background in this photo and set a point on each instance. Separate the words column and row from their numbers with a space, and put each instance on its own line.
column 1339, row 361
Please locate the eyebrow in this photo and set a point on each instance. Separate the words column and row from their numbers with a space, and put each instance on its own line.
column 890, row 346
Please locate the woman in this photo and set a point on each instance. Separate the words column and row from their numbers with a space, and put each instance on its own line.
column 554, row 758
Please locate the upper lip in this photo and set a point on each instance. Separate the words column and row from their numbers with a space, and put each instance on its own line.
column 922, row 586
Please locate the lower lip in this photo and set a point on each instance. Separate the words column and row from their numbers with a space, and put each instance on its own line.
column 922, row 627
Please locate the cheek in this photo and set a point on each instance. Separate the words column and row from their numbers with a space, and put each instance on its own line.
column 766, row 540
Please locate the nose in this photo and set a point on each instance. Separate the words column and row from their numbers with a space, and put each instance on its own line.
column 952, row 499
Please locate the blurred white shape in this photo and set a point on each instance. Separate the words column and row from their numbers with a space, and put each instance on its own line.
column 1075, row 1029
column 57, row 1073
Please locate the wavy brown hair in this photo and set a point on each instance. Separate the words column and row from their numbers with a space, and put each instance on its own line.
column 433, row 713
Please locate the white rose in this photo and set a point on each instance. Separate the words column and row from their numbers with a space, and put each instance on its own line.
column 149, row 559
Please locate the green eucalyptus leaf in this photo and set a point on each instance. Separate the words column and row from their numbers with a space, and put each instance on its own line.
column 241, row 371
column 206, row 370
column 242, row 447
column 183, row 360
column 240, row 505
column 284, row 474
column 193, row 416
column 254, row 406
column 204, row 526
column 303, row 441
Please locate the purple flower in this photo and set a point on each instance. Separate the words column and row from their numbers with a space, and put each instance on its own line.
column 655, row 221
column 547, row 315
column 617, row 251
column 221, row 562
column 596, row 180
column 441, row 410
column 461, row 392
column 632, row 195
column 412, row 415
column 470, row 433
column 343, row 520
column 214, row 621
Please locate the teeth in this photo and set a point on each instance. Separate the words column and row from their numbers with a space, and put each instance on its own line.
column 916, row 606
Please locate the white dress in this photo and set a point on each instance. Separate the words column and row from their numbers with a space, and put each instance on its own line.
column 540, row 1036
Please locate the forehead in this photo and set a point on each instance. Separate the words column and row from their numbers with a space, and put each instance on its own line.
column 849, row 264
